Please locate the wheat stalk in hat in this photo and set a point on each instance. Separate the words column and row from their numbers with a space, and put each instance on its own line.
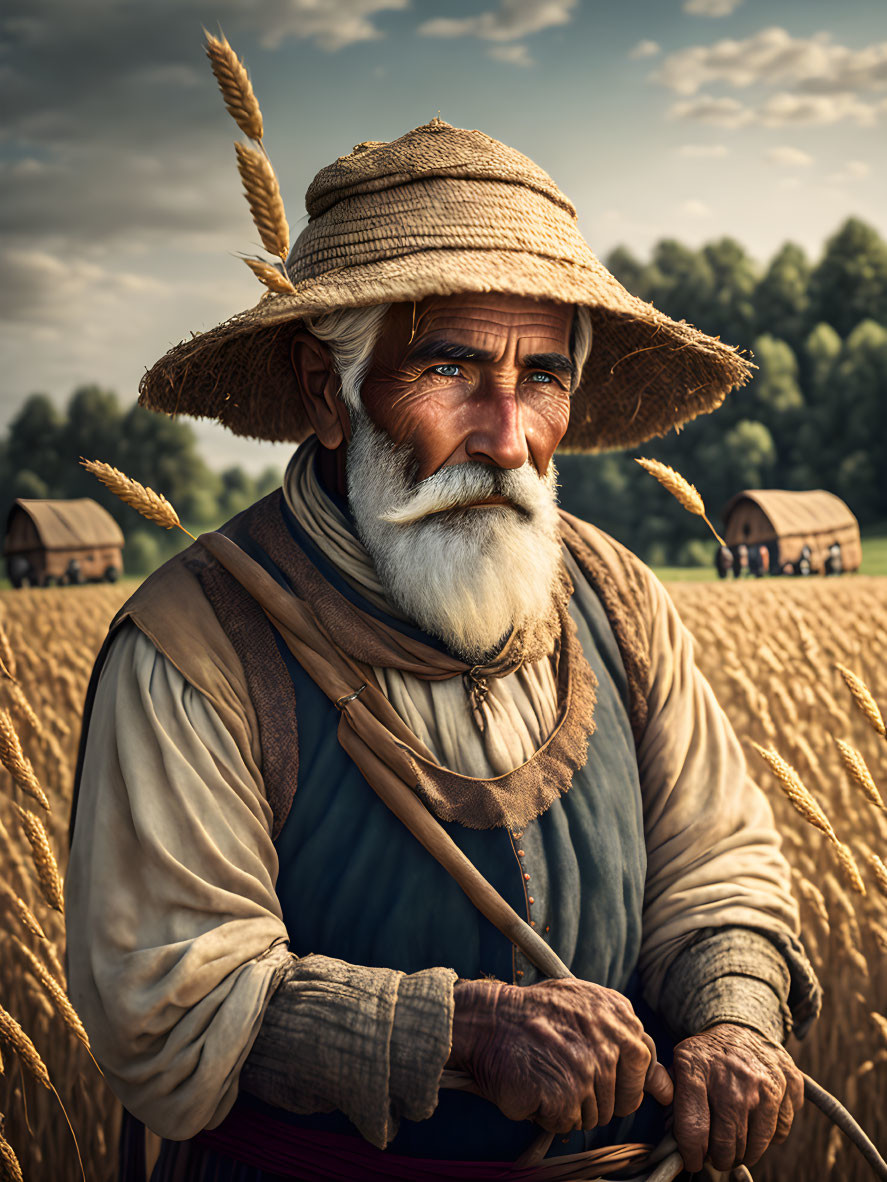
column 150, row 504
column 236, row 88
column 259, row 180
column 682, row 490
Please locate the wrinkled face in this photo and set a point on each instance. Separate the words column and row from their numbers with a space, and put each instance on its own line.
column 482, row 378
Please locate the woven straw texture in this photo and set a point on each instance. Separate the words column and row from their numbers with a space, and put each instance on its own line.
column 443, row 211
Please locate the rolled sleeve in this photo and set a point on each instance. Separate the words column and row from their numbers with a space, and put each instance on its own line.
column 368, row 1042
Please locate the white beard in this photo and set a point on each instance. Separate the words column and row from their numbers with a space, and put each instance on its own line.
column 465, row 575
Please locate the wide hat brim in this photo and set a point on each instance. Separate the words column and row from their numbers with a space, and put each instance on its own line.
column 391, row 241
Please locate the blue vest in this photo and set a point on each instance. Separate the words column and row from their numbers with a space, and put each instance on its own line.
column 356, row 885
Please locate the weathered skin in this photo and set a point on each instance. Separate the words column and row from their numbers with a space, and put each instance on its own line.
column 569, row 1054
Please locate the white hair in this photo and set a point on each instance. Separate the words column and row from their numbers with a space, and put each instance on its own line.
column 352, row 333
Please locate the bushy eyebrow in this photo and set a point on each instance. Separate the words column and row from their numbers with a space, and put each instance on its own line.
column 556, row 362
column 436, row 348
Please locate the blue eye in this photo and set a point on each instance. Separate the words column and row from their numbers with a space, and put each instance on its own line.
column 546, row 378
column 449, row 370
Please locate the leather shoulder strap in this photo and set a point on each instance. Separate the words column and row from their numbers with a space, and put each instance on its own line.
column 220, row 641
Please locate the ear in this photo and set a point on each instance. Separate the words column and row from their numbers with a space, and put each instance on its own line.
column 319, row 386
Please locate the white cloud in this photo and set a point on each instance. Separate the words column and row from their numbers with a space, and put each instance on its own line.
column 702, row 151
column 644, row 49
column 711, row 7
column 333, row 24
column 513, row 20
column 37, row 285
column 773, row 57
column 695, row 209
column 512, row 55
column 779, row 110
column 721, row 112
column 788, row 156
column 853, row 170
column 819, row 110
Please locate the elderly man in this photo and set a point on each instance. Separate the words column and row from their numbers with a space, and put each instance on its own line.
column 276, row 976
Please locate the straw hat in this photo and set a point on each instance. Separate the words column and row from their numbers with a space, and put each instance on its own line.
column 440, row 211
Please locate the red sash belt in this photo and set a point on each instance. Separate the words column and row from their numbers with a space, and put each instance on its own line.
column 257, row 1139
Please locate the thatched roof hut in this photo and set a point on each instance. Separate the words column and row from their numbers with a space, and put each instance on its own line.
column 787, row 521
column 61, row 541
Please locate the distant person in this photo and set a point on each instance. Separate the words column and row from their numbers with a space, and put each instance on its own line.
column 740, row 560
column 754, row 561
column 834, row 562
column 763, row 560
column 723, row 561
column 805, row 566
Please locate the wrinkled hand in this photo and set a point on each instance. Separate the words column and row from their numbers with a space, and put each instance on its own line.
column 567, row 1054
column 735, row 1092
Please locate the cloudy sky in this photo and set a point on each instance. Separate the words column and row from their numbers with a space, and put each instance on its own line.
column 121, row 217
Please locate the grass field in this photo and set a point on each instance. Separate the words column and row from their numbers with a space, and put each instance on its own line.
column 768, row 647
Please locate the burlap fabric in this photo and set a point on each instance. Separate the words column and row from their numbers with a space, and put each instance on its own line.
column 442, row 211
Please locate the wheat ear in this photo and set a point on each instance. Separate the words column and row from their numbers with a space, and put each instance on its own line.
column 878, row 869
column 793, row 787
column 863, row 698
column 7, row 656
column 268, row 274
column 12, row 1033
column 43, row 858
column 859, row 773
column 263, row 195
column 17, row 763
column 149, row 503
column 682, row 490
column 57, row 995
column 236, row 88
column 24, row 707
column 32, row 924
column 849, row 868
column 9, row 1164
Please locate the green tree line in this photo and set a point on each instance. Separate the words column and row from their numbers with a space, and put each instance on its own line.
column 813, row 416
column 42, row 446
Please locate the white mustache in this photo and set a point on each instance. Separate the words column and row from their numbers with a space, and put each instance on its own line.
column 464, row 484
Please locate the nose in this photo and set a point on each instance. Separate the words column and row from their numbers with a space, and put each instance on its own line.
column 497, row 434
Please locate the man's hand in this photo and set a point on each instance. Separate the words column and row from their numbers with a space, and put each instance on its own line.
column 735, row 1092
column 567, row 1054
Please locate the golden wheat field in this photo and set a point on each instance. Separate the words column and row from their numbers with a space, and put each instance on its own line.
column 770, row 649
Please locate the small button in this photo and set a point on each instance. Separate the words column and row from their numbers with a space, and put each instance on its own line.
column 532, row 923
column 526, row 878
column 531, row 899
column 520, row 853
column 547, row 928
column 520, row 972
